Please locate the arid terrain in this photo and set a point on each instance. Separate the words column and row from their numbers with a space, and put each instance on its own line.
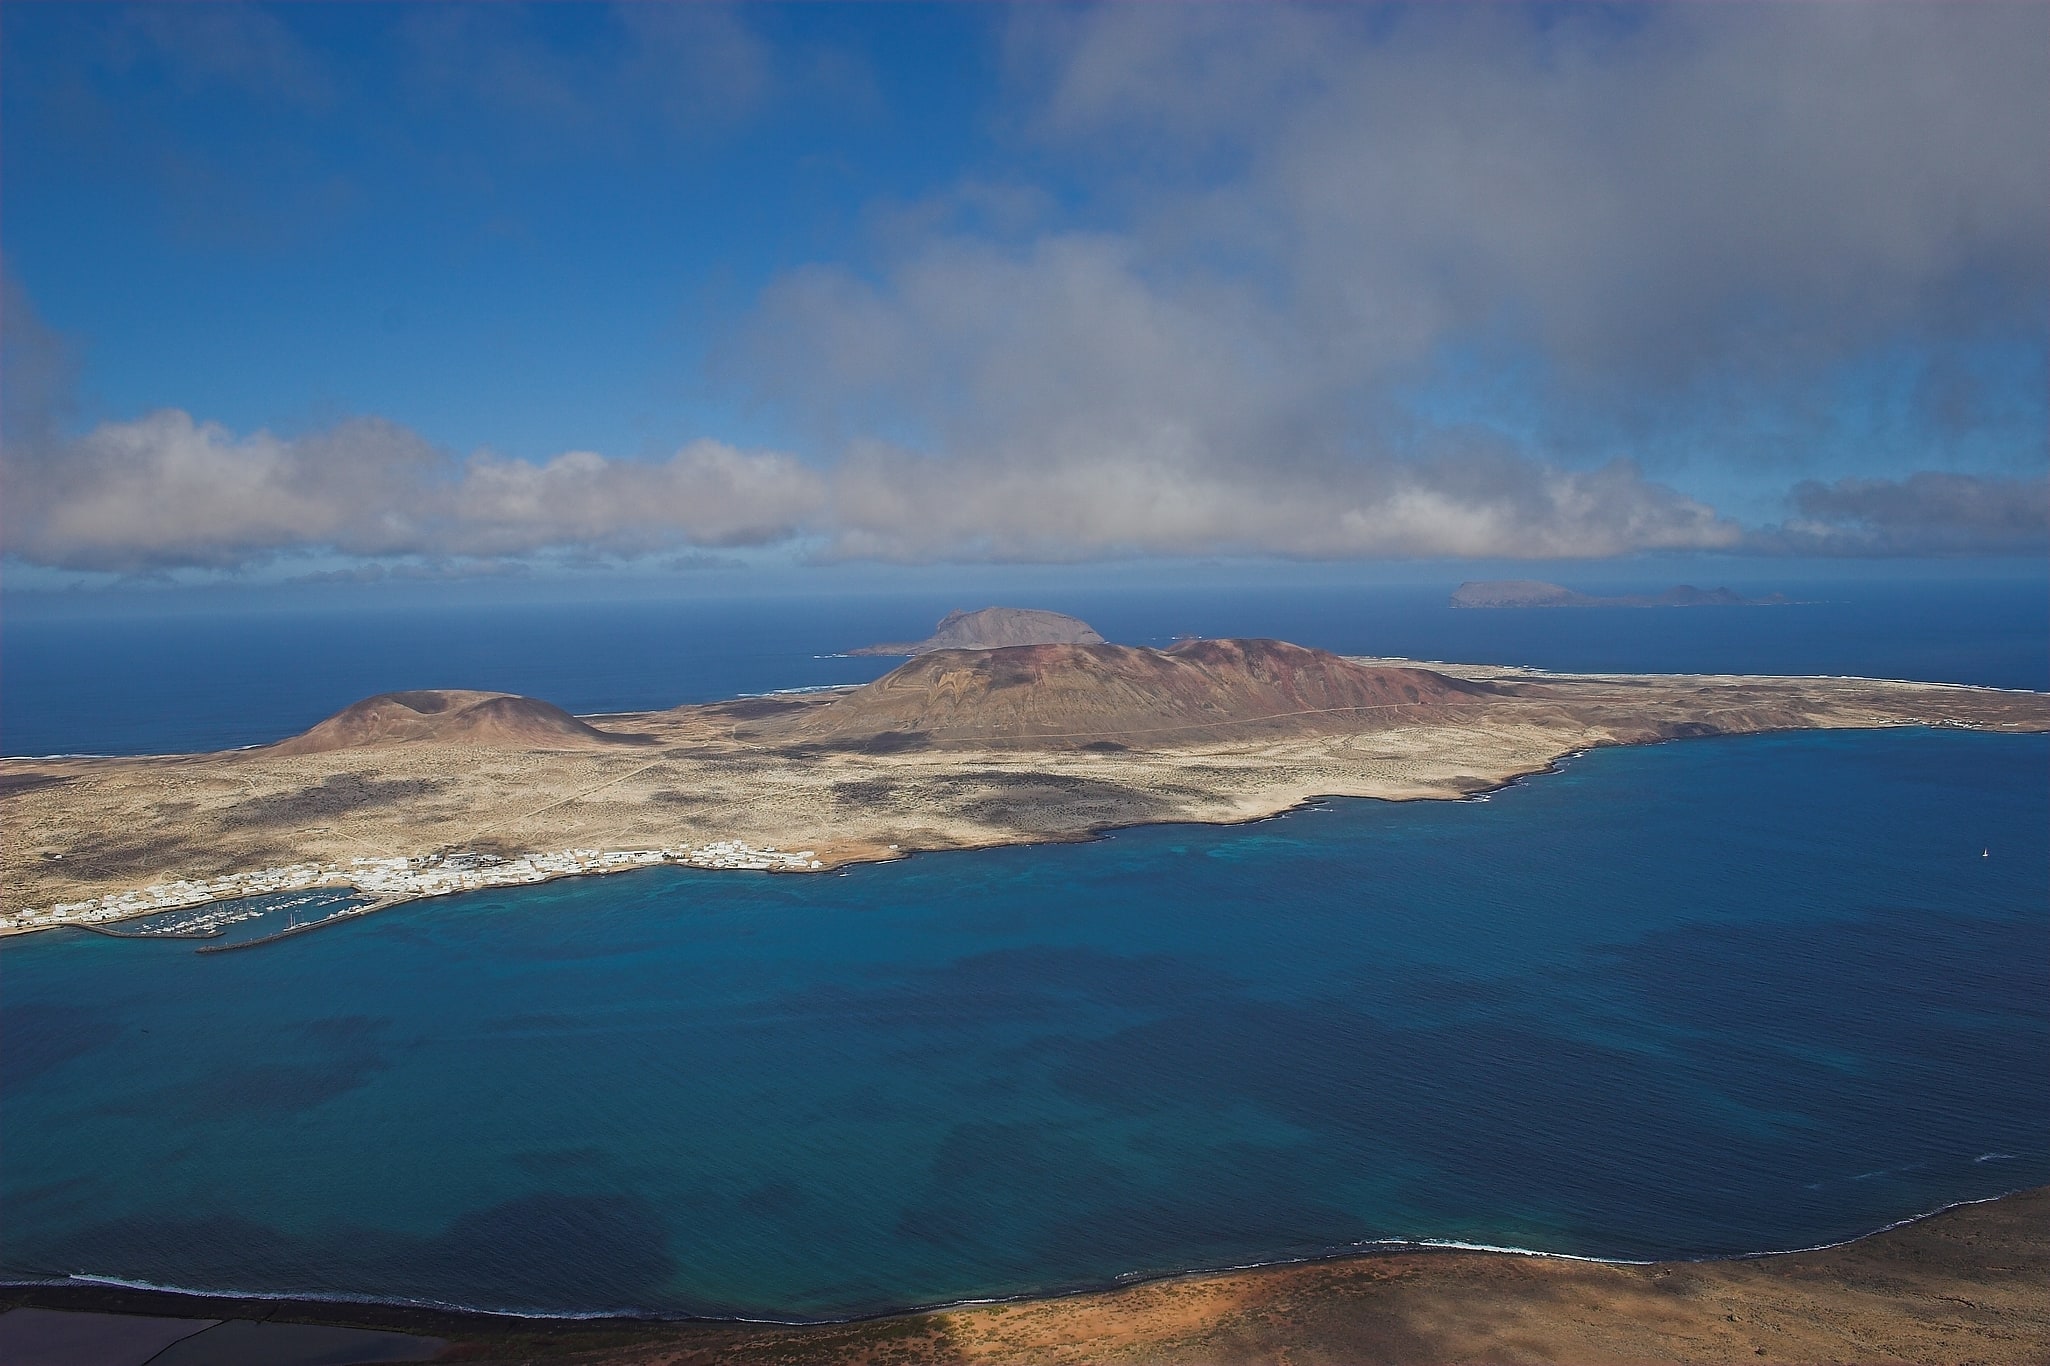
column 955, row 749
column 1966, row 1286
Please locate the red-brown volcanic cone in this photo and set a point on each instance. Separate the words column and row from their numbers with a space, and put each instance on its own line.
column 495, row 719
column 1061, row 694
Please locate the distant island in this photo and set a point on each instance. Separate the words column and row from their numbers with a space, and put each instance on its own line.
column 424, row 793
column 1537, row 593
column 994, row 628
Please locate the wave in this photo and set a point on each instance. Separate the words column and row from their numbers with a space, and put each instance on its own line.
column 1458, row 1245
column 330, row 1297
column 1861, row 1237
column 1364, row 1247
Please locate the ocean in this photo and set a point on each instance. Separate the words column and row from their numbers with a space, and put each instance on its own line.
column 1693, row 999
column 175, row 682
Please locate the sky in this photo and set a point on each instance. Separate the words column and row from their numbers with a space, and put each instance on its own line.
column 394, row 293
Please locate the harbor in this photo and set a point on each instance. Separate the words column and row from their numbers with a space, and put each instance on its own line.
column 388, row 881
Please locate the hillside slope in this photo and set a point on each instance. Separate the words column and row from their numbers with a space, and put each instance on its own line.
column 451, row 715
column 1123, row 695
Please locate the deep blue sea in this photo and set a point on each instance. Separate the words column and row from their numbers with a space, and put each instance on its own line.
column 1692, row 999
column 181, row 681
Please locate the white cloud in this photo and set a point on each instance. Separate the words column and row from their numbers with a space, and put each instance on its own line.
column 1294, row 213
column 891, row 504
column 1649, row 190
column 166, row 491
column 1931, row 512
column 707, row 494
column 1307, row 206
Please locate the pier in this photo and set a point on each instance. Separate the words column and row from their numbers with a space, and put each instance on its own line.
column 352, row 913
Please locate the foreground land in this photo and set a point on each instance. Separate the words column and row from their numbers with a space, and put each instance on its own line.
column 959, row 749
column 1964, row 1286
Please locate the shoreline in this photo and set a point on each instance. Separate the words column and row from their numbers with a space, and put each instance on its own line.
column 727, row 785
column 734, row 856
column 1876, row 1273
column 825, row 860
column 830, row 863
column 524, row 871
column 1365, row 1250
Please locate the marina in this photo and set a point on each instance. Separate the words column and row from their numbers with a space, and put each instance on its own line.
column 295, row 926
column 389, row 880
column 212, row 920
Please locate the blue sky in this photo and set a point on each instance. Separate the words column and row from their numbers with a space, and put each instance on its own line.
column 318, row 289
column 365, row 227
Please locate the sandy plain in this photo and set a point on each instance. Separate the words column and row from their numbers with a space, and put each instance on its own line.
column 754, row 770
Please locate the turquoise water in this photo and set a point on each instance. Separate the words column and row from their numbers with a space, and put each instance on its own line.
column 1697, row 998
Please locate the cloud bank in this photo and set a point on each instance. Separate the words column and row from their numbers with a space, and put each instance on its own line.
column 1638, row 199
column 1928, row 513
column 1237, row 245
column 167, row 492
column 1316, row 213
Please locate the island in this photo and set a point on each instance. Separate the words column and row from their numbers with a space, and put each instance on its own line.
column 992, row 628
column 1537, row 593
column 431, row 792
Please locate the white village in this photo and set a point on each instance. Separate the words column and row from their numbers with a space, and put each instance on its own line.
column 391, row 880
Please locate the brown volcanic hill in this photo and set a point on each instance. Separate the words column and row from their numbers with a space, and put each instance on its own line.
column 1200, row 689
column 993, row 628
column 496, row 719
